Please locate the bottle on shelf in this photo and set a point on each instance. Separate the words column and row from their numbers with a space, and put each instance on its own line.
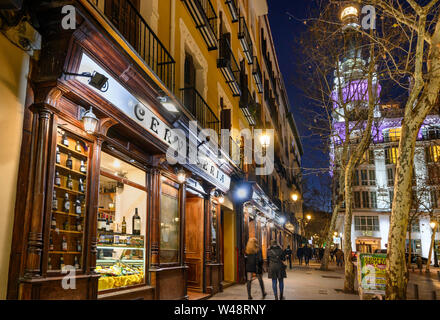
column 51, row 247
column 78, row 246
column 69, row 183
column 124, row 226
column 64, row 244
column 78, row 207
column 65, row 140
column 62, row 265
column 78, row 224
column 53, row 223
column 107, row 224
column 78, row 147
column 66, row 206
column 136, row 223
column 49, row 264
column 58, row 156
column 66, row 225
column 101, row 222
column 81, row 185
column 69, row 161
column 54, row 201
column 112, row 225
column 76, row 263
column 82, row 167
column 57, row 178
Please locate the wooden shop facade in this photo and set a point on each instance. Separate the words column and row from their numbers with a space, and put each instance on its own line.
column 104, row 207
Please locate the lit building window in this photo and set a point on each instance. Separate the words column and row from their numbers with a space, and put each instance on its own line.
column 366, row 223
column 391, row 155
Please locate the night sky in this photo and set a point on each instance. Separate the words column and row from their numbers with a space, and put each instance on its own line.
column 286, row 20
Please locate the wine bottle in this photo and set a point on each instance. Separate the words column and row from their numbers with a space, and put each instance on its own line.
column 58, row 156
column 69, row 183
column 66, row 206
column 54, row 201
column 64, row 244
column 81, row 185
column 78, row 146
column 53, row 223
column 78, row 245
column 82, row 167
column 124, row 226
column 78, row 225
column 136, row 223
column 57, row 179
column 62, row 265
column 66, row 225
column 69, row 161
column 112, row 225
column 51, row 247
column 65, row 140
column 78, row 208
column 76, row 263
column 107, row 224
column 99, row 221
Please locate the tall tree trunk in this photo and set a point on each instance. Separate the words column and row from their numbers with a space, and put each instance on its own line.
column 325, row 258
column 396, row 265
column 349, row 269
column 409, row 248
column 428, row 263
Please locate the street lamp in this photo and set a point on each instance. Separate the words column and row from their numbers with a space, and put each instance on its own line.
column 309, row 217
column 295, row 197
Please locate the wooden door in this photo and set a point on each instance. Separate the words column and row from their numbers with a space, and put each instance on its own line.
column 194, row 242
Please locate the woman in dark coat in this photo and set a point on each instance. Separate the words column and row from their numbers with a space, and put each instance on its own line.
column 277, row 269
column 254, row 264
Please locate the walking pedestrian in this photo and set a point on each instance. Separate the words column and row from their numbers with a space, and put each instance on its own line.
column 307, row 254
column 300, row 255
column 332, row 254
column 321, row 254
column 254, row 264
column 288, row 253
column 339, row 257
column 277, row 268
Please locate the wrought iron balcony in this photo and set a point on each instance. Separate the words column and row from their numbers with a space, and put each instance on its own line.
column 229, row 66
column 132, row 26
column 203, row 14
column 233, row 8
column 256, row 73
column 248, row 107
column 193, row 101
column 245, row 40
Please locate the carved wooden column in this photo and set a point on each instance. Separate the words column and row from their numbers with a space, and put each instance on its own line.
column 35, row 235
column 154, row 208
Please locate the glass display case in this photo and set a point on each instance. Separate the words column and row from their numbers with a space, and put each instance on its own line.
column 121, row 224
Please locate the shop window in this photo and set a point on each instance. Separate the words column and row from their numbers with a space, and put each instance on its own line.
column 122, row 223
column 416, row 246
column 169, row 224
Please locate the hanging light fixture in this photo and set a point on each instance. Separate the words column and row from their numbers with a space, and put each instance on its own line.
column 221, row 199
column 90, row 121
column 181, row 176
column 265, row 140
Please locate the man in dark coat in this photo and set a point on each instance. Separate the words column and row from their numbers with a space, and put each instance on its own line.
column 277, row 269
column 288, row 253
column 307, row 254
column 300, row 254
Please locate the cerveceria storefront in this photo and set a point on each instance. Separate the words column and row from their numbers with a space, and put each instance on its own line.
column 106, row 205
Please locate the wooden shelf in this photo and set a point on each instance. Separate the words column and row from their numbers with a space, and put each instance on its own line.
column 73, row 152
column 76, row 193
column 66, row 231
column 107, row 210
column 67, row 214
column 64, row 252
column 64, row 168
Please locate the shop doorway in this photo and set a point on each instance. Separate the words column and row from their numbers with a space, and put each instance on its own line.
column 367, row 245
column 194, row 223
column 229, row 245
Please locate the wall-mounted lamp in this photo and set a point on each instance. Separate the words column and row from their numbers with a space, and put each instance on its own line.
column 433, row 224
column 97, row 80
column 265, row 140
column 309, row 217
column 221, row 199
column 295, row 197
column 181, row 176
column 90, row 121
column 167, row 104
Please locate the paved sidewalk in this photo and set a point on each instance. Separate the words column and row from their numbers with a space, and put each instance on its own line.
column 302, row 283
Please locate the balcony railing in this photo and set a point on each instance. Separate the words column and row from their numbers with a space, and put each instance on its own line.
column 203, row 14
column 245, row 40
column 197, row 106
column 273, row 111
column 233, row 9
column 229, row 66
column 248, row 106
column 132, row 26
column 256, row 73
